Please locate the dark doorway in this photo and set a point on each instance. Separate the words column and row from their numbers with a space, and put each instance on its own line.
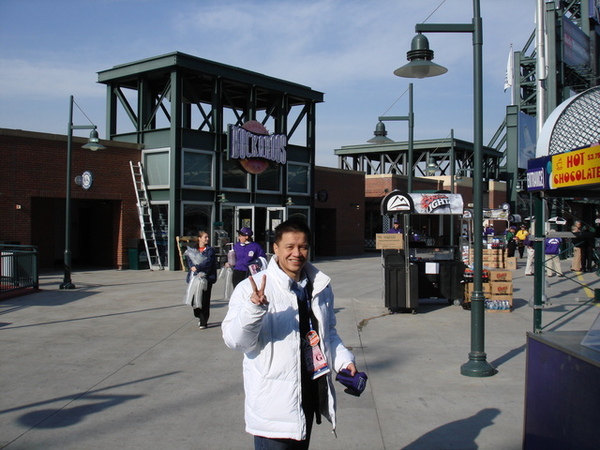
column 92, row 238
column 325, row 226
column 92, row 232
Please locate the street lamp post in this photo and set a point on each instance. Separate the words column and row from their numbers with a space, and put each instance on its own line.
column 421, row 67
column 92, row 144
column 381, row 139
column 452, row 180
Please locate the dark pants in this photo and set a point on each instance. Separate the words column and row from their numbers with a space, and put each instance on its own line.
column 238, row 276
column 587, row 259
column 203, row 313
column 263, row 443
column 521, row 250
column 510, row 249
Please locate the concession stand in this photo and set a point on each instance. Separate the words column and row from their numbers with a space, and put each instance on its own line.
column 561, row 412
column 423, row 261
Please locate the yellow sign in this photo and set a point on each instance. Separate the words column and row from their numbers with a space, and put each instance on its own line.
column 389, row 241
column 576, row 168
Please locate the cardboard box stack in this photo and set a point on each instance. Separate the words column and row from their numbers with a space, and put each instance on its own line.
column 501, row 291
column 498, row 290
column 493, row 258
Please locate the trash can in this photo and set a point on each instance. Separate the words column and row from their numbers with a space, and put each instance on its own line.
column 395, row 282
column 136, row 253
column 451, row 287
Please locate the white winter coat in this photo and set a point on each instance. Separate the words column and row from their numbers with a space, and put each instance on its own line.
column 269, row 336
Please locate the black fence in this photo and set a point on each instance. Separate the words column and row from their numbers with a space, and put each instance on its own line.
column 19, row 266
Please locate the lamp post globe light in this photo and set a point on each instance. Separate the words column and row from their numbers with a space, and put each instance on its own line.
column 381, row 135
column 92, row 144
column 420, row 66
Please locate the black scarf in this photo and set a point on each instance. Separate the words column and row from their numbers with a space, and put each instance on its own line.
column 314, row 392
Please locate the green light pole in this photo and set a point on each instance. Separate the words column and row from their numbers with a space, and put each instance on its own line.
column 92, row 144
column 538, row 260
column 380, row 138
column 420, row 66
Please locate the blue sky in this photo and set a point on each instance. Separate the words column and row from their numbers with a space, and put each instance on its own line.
column 347, row 49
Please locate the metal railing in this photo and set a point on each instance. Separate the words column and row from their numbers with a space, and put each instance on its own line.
column 544, row 267
column 19, row 266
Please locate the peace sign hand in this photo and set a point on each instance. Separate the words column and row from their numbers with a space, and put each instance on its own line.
column 258, row 295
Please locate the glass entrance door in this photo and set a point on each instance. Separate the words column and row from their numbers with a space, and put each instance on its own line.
column 274, row 217
column 262, row 220
column 253, row 217
column 244, row 217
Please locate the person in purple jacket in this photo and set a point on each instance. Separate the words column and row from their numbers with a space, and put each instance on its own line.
column 246, row 251
column 552, row 250
column 395, row 228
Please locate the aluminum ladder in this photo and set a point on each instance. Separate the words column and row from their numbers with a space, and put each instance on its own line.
column 145, row 215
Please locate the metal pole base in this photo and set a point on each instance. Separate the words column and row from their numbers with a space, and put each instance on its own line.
column 477, row 367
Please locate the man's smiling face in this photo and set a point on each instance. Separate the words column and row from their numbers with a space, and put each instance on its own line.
column 292, row 253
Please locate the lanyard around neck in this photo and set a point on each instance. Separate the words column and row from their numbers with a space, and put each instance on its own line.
column 303, row 293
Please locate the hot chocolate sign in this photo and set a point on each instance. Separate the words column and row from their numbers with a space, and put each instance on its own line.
column 254, row 147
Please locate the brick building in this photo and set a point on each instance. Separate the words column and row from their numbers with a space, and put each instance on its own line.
column 339, row 212
column 105, row 220
column 32, row 198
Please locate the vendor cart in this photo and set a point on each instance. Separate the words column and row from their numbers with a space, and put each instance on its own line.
column 429, row 264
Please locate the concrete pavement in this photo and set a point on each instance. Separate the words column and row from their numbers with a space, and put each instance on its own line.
column 120, row 363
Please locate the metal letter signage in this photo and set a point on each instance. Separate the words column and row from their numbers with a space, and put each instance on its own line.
column 254, row 146
column 538, row 172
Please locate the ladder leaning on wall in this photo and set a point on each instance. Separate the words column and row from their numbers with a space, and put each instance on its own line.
column 145, row 215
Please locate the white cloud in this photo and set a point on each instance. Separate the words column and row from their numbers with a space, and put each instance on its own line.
column 42, row 80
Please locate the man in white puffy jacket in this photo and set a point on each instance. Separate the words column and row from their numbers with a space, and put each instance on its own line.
column 283, row 320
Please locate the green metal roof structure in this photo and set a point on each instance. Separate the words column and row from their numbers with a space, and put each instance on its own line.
column 392, row 158
column 179, row 107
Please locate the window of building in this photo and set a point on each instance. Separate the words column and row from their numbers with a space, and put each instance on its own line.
column 196, row 217
column 160, row 219
column 270, row 179
column 297, row 179
column 234, row 176
column 198, row 168
column 156, row 167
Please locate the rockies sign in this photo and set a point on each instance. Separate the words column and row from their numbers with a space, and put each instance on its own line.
column 396, row 202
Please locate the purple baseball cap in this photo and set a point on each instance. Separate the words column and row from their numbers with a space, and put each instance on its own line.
column 355, row 385
column 245, row 231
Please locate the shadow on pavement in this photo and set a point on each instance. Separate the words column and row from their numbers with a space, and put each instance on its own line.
column 458, row 434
